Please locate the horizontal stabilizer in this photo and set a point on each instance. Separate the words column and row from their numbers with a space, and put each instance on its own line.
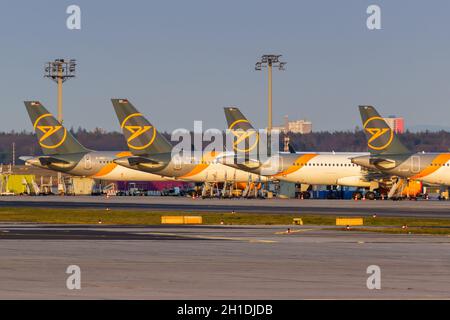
column 383, row 163
column 234, row 161
column 133, row 161
column 46, row 161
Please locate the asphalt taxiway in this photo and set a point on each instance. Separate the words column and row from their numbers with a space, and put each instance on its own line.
column 324, row 207
column 223, row 262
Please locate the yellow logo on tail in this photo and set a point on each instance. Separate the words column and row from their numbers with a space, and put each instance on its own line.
column 48, row 131
column 242, row 135
column 137, row 131
column 376, row 140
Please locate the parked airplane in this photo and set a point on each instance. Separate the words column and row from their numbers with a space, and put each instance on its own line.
column 310, row 168
column 63, row 153
column 389, row 155
column 151, row 152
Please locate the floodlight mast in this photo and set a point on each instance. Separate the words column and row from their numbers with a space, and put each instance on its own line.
column 268, row 61
column 60, row 71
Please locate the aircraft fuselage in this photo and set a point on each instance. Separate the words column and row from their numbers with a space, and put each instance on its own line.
column 95, row 164
column 431, row 168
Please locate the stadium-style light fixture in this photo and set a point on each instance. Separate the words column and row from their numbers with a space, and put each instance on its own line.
column 269, row 61
column 60, row 71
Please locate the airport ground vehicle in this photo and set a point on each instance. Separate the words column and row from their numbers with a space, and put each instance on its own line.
column 172, row 192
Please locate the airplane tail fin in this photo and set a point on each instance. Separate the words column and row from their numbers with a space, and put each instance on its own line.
column 381, row 138
column 53, row 137
column 141, row 136
column 246, row 138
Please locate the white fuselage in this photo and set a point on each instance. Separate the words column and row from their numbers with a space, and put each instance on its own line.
column 310, row 168
column 323, row 169
column 216, row 172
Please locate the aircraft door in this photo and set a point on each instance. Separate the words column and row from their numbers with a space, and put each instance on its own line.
column 277, row 164
column 87, row 162
column 415, row 164
column 177, row 162
column 273, row 166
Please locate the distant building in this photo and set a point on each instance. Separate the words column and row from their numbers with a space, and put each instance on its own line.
column 297, row 126
column 397, row 124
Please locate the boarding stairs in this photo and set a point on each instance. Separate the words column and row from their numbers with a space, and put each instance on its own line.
column 397, row 188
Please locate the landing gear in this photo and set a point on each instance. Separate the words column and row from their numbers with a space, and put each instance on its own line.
column 305, row 195
column 357, row 195
column 370, row 195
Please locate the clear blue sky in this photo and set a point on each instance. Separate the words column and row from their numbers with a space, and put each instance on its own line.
column 180, row 61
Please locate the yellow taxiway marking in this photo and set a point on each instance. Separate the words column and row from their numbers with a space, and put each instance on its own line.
column 293, row 231
column 206, row 237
